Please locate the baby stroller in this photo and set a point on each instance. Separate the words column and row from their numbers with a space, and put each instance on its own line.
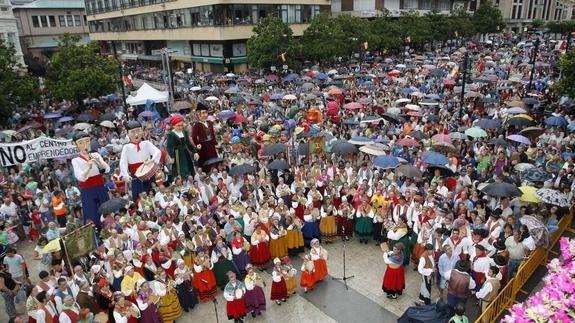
column 433, row 313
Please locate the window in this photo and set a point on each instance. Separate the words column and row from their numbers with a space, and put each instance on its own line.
column 43, row 21
column 85, row 21
column 410, row 4
column 52, row 20
column 517, row 9
column 11, row 38
column 425, row 4
column 444, row 5
column 62, row 20
column 77, row 20
column 36, row 21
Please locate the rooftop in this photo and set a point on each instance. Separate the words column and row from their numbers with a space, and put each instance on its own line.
column 53, row 4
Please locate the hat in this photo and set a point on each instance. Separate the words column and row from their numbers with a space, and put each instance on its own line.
column 175, row 119
column 128, row 268
column 201, row 107
column 462, row 265
column 499, row 244
column 180, row 262
column 140, row 282
column 500, row 260
column 480, row 247
column 286, row 260
column 428, row 246
column 133, row 125
column 249, row 266
column 103, row 282
column 79, row 135
column 277, row 261
column 313, row 241
column 95, row 269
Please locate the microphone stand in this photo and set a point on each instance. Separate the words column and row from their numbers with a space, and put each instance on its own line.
column 345, row 278
column 216, row 309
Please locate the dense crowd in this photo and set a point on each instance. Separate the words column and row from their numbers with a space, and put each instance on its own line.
column 380, row 151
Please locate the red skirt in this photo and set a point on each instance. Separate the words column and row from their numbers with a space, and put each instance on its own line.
column 236, row 309
column 205, row 285
column 317, row 204
column 279, row 290
column 307, row 279
column 394, row 279
column 260, row 254
column 299, row 211
column 320, row 269
column 336, row 202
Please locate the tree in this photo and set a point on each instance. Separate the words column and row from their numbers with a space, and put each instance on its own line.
column 487, row 19
column 537, row 23
column 356, row 31
column 324, row 39
column 415, row 27
column 566, row 86
column 271, row 38
column 460, row 21
column 17, row 88
column 388, row 31
column 79, row 71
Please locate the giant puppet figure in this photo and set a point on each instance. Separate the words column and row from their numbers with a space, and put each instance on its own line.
column 138, row 155
column 180, row 149
column 204, row 137
column 88, row 170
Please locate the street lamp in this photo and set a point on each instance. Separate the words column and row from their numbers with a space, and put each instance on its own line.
column 533, row 59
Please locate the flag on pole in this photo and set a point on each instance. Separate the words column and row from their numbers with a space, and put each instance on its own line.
column 365, row 45
column 454, row 71
column 282, row 57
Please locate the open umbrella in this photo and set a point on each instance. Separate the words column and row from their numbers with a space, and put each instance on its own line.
column 82, row 126
column 85, row 117
column 553, row 197
column 476, row 132
column 273, row 149
column 536, row 175
column 392, row 118
column 434, row 158
column 442, row 138
column 360, row 141
column 532, row 132
column 52, row 115
column 107, row 124
column 407, row 142
column 374, row 149
column 350, row 122
column 488, row 124
column 211, row 99
column 529, row 194
column 147, row 114
column 501, row 190
column 181, row 105
column 386, row 162
column 537, row 230
column 443, row 170
column 213, row 161
column 444, row 147
column 408, row 171
column 521, row 167
column 457, row 136
column 556, row 121
column 62, row 132
column 344, row 148
column 65, row 119
column 353, row 106
column 112, row 206
column 371, row 119
column 279, row 164
column 519, row 121
column 498, row 141
column 226, row 114
column 241, row 170
column 417, row 134
column 289, row 97
column 107, row 116
column 520, row 139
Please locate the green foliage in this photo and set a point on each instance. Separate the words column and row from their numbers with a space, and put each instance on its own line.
column 17, row 87
column 487, row 19
column 566, row 86
column 271, row 37
column 537, row 23
column 78, row 71
column 324, row 39
column 416, row 27
column 561, row 27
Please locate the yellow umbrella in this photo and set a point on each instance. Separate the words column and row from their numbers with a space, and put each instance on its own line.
column 525, row 116
column 52, row 246
column 529, row 194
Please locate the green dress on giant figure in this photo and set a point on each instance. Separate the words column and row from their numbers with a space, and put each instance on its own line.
column 182, row 152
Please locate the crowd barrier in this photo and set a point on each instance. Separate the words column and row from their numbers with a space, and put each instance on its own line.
column 508, row 293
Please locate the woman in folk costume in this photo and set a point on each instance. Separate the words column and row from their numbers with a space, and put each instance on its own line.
column 299, row 205
column 290, row 277
column 426, row 269
column 134, row 154
column 315, row 197
column 394, row 277
column 279, row 288
column 204, row 137
column 169, row 308
column 204, row 279
column 234, row 293
column 378, row 223
column 105, row 298
column 124, row 310
column 344, row 219
column 222, row 261
column 364, row 222
column 185, row 249
column 259, row 251
column 184, row 286
column 150, row 268
column 319, row 257
column 240, row 248
column 422, row 239
column 88, row 169
column 147, row 303
column 166, row 261
column 398, row 233
column 254, row 298
column 327, row 225
column 307, row 279
column 310, row 227
column 180, row 149
column 278, row 242
column 294, row 236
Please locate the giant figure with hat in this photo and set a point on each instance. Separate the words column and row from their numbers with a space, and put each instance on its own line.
column 204, row 137
column 135, row 154
column 88, row 169
column 180, row 149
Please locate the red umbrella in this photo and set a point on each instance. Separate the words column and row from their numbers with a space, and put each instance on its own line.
column 239, row 118
column 353, row 106
column 335, row 91
column 310, row 74
column 449, row 82
column 407, row 142
column 394, row 73
column 414, row 114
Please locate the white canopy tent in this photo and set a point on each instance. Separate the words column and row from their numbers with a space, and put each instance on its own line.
column 145, row 93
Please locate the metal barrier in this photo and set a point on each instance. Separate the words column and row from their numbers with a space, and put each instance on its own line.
column 509, row 292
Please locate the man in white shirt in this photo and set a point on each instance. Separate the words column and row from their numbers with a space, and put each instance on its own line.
column 9, row 209
column 490, row 288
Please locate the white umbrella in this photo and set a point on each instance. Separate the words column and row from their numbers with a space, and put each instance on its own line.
column 230, row 75
column 374, row 149
column 521, row 167
column 400, row 66
column 402, row 100
column 107, row 124
column 413, row 107
column 195, row 88
column 394, row 110
column 416, row 94
column 332, row 72
column 81, row 126
column 289, row 97
column 211, row 98
column 553, row 197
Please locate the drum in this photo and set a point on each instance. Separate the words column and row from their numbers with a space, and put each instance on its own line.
column 147, row 171
column 239, row 293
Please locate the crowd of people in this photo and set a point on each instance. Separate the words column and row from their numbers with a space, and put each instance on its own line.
column 256, row 174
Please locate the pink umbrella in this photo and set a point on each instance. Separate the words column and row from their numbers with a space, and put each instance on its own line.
column 407, row 142
column 353, row 106
column 449, row 82
column 520, row 139
column 414, row 114
column 442, row 138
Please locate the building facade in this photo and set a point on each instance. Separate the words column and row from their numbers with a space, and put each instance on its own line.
column 518, row 14
column 9, row 29
column 209, row 35
column 41, row 22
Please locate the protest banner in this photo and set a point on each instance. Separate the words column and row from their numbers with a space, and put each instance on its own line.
column 35, row 150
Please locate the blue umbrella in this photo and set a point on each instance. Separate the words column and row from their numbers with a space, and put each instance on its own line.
column 52, row 115
column 321, row 76
column 536, row 175
column 556, row 121
column 351, row 122
column 434, row 158
column 65, row 119
column 386, row 162
column 406, row 90
column 360, row 141
column 291, row 77
column 488, row 124
column 226, row 114
column 433, row 96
